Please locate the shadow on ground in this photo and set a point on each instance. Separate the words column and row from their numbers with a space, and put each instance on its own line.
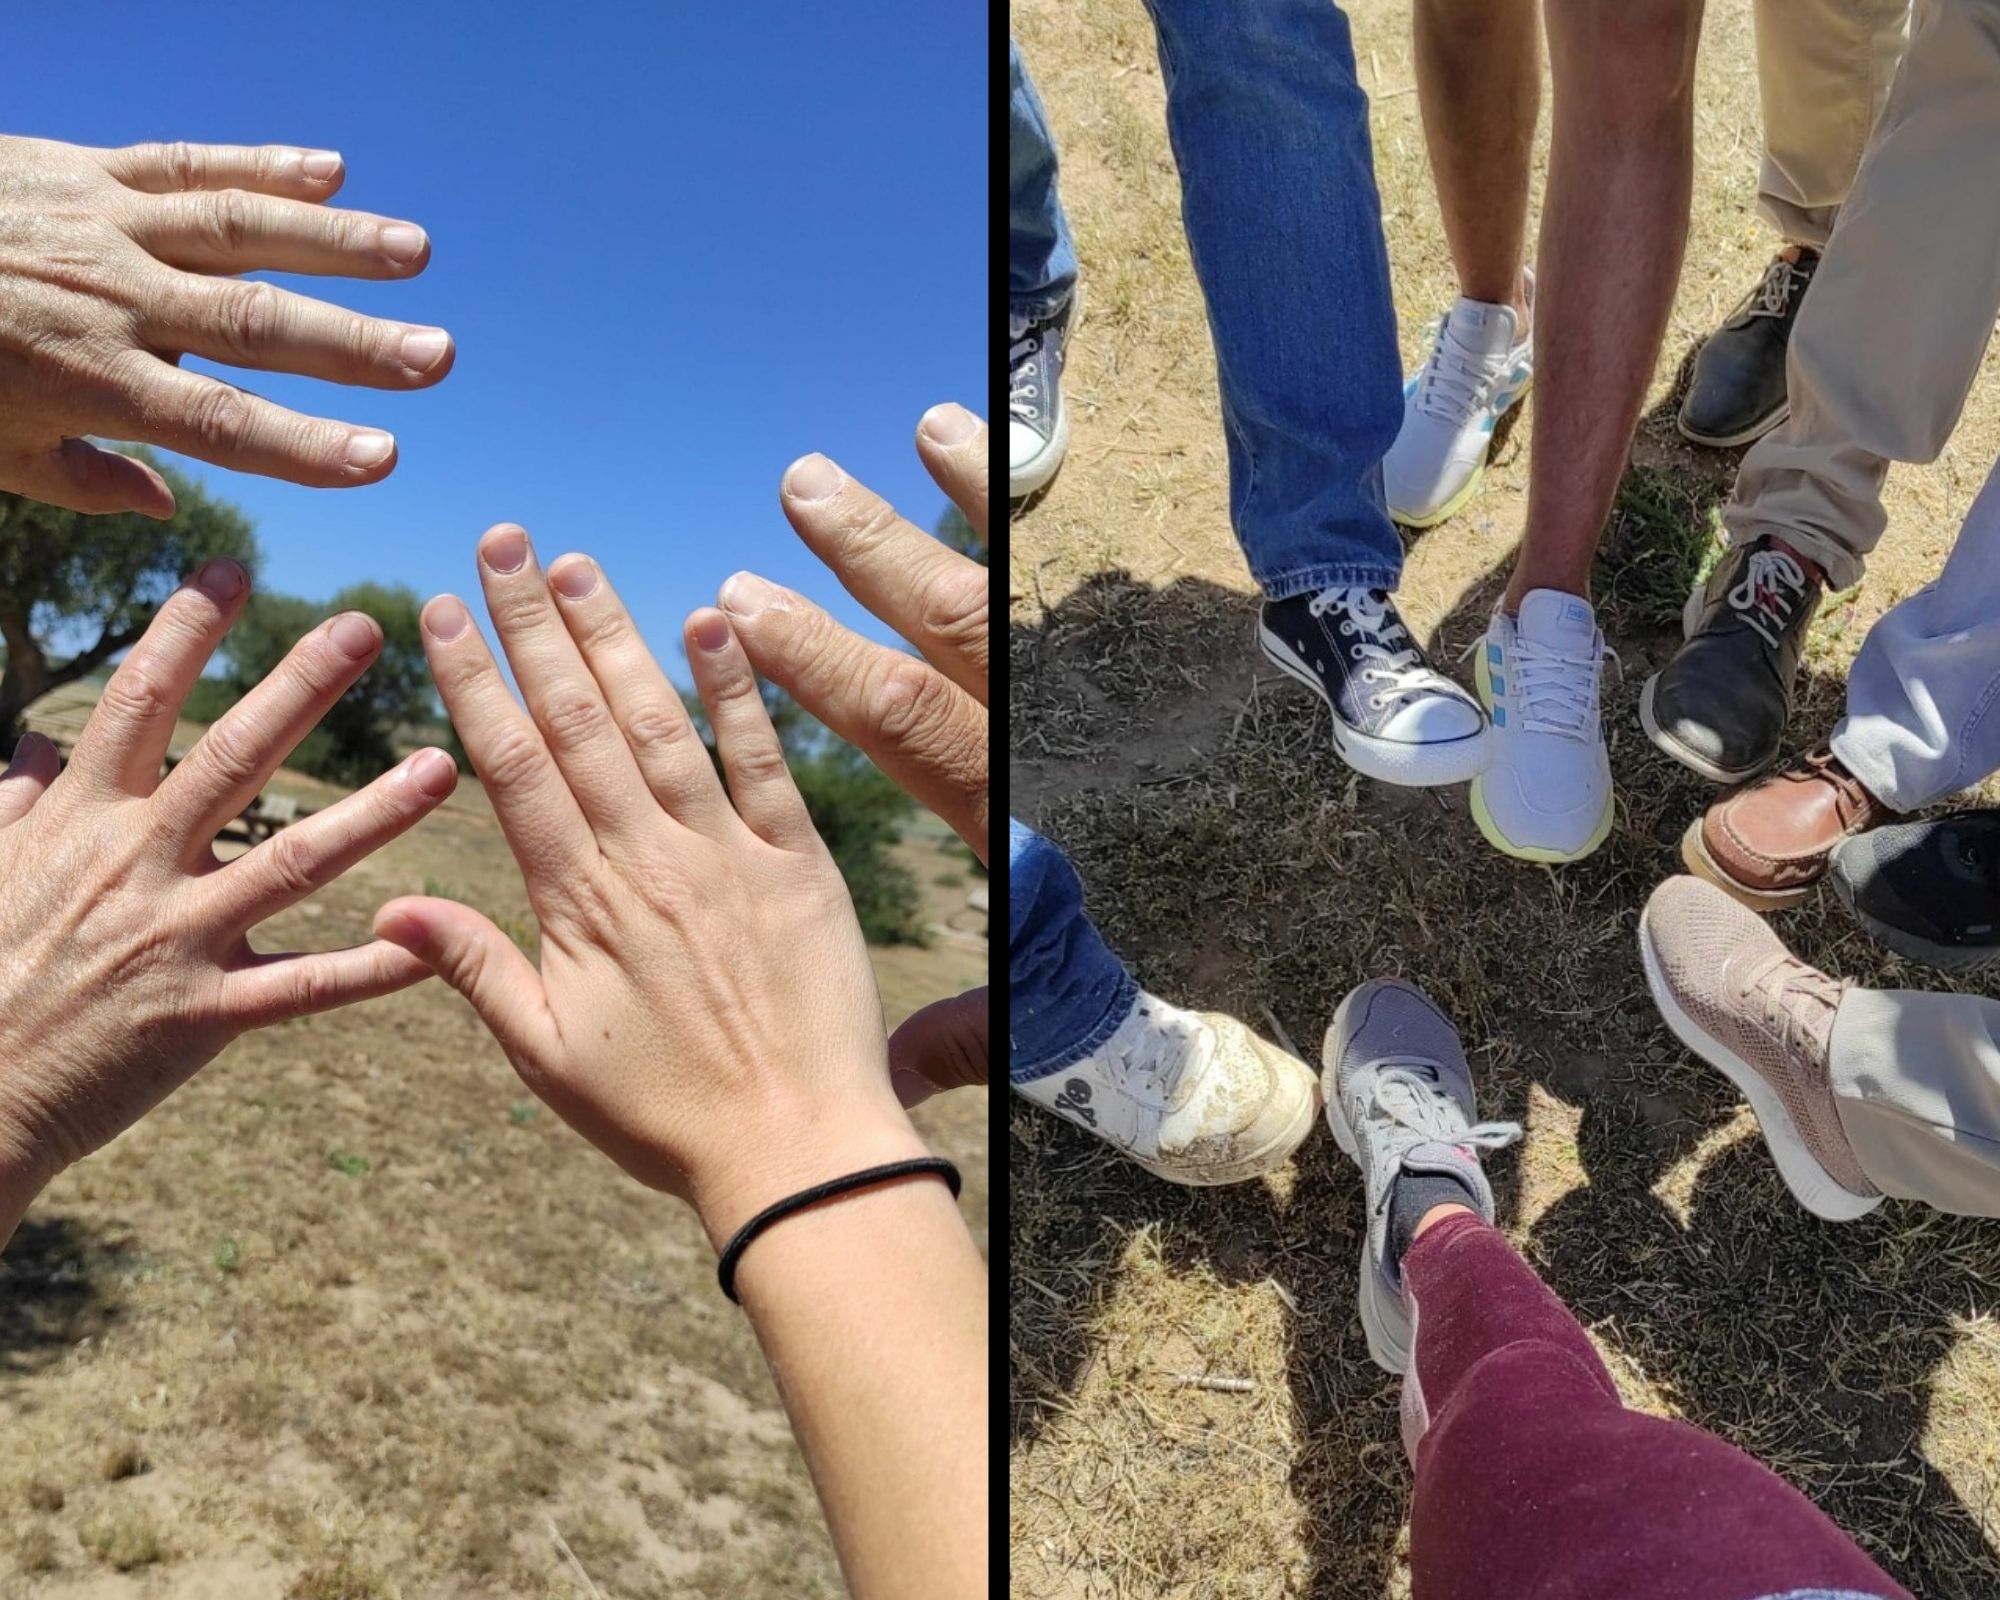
column 1239, row 866
column 53, row 1293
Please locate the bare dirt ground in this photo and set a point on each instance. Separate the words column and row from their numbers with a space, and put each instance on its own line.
column 1238, row 865
column 352, row 1317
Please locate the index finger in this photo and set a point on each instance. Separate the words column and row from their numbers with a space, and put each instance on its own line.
column 927, row 592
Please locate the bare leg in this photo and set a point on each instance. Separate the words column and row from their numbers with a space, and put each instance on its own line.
column 1614, row 225
column 1479, row 86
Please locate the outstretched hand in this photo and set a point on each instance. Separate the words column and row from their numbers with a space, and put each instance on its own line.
column 116, row 263
column 125, row 959
column 704, row 1010
column 922, row 721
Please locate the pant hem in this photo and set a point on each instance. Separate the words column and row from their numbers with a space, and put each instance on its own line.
column 1288, row 586
column 1844, row 567
column 1039, row 310
column 1068, row 1056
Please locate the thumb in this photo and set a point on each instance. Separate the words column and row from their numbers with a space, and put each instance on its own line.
column 466, row 950
column 943, row 1046
column 79, row 476
column 28, row 775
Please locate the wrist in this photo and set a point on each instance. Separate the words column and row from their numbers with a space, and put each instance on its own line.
column 777, row 1163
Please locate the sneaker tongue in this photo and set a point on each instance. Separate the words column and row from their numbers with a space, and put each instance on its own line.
column 1560, row 621
column 1483, row 329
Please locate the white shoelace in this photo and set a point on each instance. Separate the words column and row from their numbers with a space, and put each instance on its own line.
column 1023, row 393
column 1156, row 1055
column 1376, row 632
column 1557, row 692
column 1756, row 596
column 1456, row 384
column 1412, row 1100
column 1773, row 293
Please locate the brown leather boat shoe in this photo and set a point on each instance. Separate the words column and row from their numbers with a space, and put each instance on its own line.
column 1768, row 844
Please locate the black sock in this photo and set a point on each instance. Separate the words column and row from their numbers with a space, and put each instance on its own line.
column 1411, row 1200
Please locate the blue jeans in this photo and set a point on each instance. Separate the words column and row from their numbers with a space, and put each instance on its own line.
column 1270, row 130
column 1041, row 260
column 1067, row 992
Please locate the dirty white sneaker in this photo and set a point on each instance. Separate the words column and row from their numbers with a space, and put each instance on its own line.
column 1546, row 792
column 1193, row 1097
column 1478, row 368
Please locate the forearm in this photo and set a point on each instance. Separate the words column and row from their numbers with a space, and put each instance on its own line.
column 872, row 1312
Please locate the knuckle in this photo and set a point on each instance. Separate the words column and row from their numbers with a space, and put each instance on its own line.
column 954, row 610
column 574, row 718
column 511, row 760
column 658, row 726
column 247, row 318
column 232, row 753
column 760, row 761
column 872, row 527
column 182, row 163
column 225, row 220
column 289, row 864
column 136, row 692
column 308, row 989
column 911, row 703
column 219, row 419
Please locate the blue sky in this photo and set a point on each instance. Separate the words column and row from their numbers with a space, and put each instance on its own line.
column 678, row 245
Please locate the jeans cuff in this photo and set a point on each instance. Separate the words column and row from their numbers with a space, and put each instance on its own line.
column 1039, row 310
column 1126, row 996
column 1289, row 585
column 1876, row 773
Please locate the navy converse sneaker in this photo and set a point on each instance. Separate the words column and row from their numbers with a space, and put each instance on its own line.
column 1395, row 717
column 1037, row 424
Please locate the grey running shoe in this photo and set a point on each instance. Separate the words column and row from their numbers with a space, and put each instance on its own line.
column 1721, row 705
column 1399, row 1098
column 1736, row 392
column 1193, row 1097
column 1734, row 995
column 1927, row 890
column 1037, row 423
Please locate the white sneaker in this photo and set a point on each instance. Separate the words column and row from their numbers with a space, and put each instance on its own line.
column 1546, row 792
column 1193, row 1097
column 1478, row 368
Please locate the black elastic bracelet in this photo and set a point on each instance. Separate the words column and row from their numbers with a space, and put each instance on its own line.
column 725, row 1269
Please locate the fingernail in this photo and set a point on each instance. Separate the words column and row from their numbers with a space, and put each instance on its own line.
column 322, row 166
column 433, row 772
column 445, row 617
column 401, row 242
column 813, row 478
column 424, row 348
column 370, row 449
column 574, row 577
column 710, row 630
column 948, row 425
column 747, row 595
column 506, row 552
column 354, row 633
column 221, row 579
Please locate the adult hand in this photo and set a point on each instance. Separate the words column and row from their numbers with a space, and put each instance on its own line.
column 704, row 1011
column 116, row 263
column 125, row 960
column 922, row 721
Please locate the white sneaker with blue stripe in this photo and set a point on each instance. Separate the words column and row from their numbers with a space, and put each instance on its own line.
column 1479, row 366
column 1545, row 794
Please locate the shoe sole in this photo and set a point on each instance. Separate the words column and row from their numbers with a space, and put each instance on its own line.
column 1039, row 473
column 1490, row 830
column 1750, row 435
column 1411, row 766
column 1943, row 957
column 1810, row 1183
column 1468, row 489
column 1266, row 1159
column 1387, row 1335
column 1669, row 745
column 1695, row 854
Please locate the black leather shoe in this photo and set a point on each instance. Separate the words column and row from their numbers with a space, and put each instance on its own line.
column 1720, row 706
column 1736, row 392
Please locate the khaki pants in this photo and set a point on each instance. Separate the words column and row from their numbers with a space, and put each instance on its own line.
column 1902, row 304
column 1916, row 1079
column 1823, row 71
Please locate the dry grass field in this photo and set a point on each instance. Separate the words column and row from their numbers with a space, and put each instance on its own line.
column 1240, row 866
column 353, row 1318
